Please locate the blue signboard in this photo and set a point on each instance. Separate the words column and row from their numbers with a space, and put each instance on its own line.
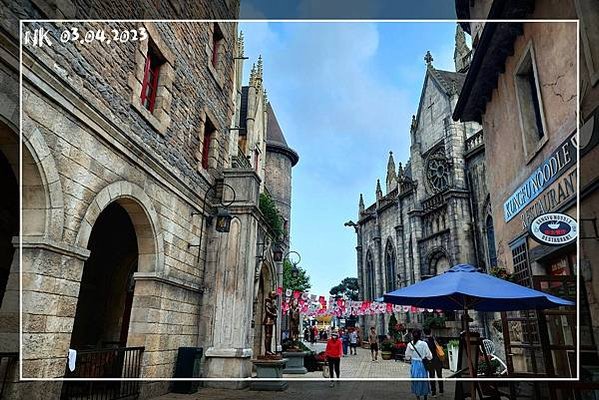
column 551, row 169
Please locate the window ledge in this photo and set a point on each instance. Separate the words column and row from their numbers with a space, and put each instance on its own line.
column 160, row 124
column 538, row 147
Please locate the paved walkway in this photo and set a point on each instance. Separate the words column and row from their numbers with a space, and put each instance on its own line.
column 359, row 366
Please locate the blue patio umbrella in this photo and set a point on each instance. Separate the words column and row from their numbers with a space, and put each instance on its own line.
column 462, row 287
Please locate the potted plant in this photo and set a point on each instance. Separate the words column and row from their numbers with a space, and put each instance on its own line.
column 386, row 349
column 452, row 354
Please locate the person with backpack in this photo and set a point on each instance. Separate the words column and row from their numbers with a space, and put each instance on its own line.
column 435, row 367
column 418, row 352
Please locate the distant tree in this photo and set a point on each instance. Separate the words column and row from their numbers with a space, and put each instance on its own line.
column 348, row 287
column 301, row 282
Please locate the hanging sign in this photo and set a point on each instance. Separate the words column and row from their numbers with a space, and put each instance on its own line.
column 554, row 229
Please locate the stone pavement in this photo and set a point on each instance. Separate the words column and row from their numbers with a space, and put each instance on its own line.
column 359, row 366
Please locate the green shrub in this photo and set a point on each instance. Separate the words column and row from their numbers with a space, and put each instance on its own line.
column 271, row 215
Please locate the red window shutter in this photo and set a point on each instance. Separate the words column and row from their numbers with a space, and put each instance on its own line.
column 150, row 82
column 206, row 147
column 154, row 86
column 144, row 84
column 215, row 48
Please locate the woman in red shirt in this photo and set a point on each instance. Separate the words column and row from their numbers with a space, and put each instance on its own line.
column 334, row 352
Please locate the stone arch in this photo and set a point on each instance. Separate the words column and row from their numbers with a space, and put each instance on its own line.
column 143, row 216
column 437, row 261
column 43, row 205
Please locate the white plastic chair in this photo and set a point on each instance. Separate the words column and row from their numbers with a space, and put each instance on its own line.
column 490, row 349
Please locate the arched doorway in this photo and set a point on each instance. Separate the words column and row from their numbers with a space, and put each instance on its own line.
column 106, row 292
column 9, row 211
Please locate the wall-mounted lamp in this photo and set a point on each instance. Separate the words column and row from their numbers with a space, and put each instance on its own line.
column 223, row 217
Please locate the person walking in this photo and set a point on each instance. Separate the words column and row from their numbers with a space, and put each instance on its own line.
column 418, row 352
column 345, row 341
column 435, row 367
column 374, row 344
column 353, row 342
column 333, row 353
column 313, row 331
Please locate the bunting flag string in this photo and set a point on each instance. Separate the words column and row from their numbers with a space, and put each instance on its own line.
column 312, row 305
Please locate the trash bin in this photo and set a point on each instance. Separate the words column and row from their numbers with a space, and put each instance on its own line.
column 188, row 366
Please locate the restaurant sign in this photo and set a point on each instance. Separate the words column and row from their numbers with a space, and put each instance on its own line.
column 551, row 169
column 554, row 229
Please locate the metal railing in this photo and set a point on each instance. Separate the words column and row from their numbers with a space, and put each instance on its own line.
column 123, row 362
column 8, row 361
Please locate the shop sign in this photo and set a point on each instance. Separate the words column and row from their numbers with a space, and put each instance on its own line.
column 554, row 229
column 551, row 169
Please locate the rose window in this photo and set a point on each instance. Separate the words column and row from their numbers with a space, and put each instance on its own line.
column 437, row 171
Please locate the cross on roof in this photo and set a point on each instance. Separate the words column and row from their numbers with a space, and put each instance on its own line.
column 428, row 58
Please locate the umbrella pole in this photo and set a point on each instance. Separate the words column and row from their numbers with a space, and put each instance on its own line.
column 469, row 356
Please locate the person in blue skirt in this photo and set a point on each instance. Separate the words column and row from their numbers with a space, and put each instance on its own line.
column 417, row 350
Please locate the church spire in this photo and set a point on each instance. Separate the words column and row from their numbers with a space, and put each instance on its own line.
column 400, row 173
column 461, row 54
column 391, row 175
column 361, row 204
column 379, row 191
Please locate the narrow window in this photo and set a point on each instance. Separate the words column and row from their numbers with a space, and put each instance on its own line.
column 209, row 131
column 530, row 104
column 217, row 42
column 256, row 159
column 535, row 102
column 150, row 81
column 491, row 242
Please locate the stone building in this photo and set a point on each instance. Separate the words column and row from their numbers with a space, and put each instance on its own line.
column 134, row 154
column 522, row 87
column 432, row 214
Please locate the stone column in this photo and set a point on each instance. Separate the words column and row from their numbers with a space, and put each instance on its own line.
column 230, row 289
column 277, row 333
column 51, row 278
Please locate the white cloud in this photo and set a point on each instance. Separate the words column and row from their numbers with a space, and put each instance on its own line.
column 324, row 85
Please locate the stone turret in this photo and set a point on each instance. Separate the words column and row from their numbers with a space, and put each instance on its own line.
column 461, row 54
column 379, row 191
column 280, row 159
column 391, row 174
column 361, row 204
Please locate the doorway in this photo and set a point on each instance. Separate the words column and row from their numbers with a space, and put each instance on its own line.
column 106, row 292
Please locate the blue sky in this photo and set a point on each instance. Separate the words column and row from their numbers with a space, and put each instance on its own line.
column 344, row 94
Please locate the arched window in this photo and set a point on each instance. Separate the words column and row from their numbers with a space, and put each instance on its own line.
column 369, row 287
column 391, row 279
column 491, row 242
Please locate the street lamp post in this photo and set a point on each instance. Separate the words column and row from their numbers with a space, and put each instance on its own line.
column 279, row 258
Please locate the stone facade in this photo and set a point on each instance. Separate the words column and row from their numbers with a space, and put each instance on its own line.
column 429, row 217
column 97, row 160
column 517, row 146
